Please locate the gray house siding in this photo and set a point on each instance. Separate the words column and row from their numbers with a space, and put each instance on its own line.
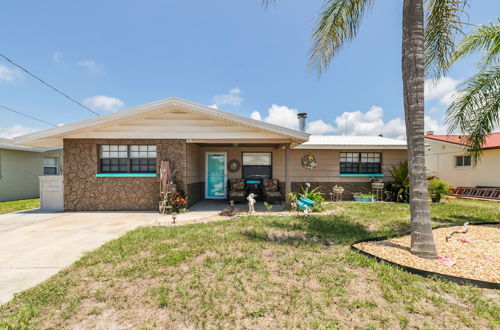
column 19, row 172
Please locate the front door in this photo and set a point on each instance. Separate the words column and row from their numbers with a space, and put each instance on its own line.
column 215, row 175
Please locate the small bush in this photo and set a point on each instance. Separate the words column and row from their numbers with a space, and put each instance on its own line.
column 438, row 188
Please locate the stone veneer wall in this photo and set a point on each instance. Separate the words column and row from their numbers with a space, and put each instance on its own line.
column 327, row 187
column 83, row 191
column 196, row 192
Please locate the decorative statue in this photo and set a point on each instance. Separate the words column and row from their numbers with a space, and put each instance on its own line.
column 251, row 203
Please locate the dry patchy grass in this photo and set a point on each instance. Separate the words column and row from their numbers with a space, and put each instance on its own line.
column 254, row 272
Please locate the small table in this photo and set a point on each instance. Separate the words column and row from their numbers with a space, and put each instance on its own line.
column 253, row 186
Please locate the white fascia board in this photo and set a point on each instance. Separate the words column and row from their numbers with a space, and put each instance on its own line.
column 62, row 130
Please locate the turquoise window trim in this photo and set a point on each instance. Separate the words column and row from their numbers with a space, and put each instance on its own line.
column 359, row 174
column 126, row 175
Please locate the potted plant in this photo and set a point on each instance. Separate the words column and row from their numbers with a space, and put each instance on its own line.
column 437, row 189
column 377, row 183
column 338, row 189
column 359, row 197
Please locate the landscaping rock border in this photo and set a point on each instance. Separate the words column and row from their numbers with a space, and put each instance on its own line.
column 425, row 273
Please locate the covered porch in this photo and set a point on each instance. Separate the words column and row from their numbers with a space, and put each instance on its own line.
column 212, row 164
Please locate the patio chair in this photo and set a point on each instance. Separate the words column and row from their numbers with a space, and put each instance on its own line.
column 271, row 191
column 237, row 190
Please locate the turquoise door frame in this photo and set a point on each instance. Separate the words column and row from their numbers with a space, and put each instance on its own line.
column 215, row 175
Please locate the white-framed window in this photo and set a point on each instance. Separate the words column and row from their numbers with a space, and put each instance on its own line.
column 50, row 166
column 127, row 158
column 463, row 161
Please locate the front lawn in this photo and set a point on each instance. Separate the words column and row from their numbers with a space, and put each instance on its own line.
column 258, row 272
column 19, row 205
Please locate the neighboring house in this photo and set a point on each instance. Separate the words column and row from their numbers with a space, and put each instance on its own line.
column 112, row 161
column 447, row 160
column 20, row 167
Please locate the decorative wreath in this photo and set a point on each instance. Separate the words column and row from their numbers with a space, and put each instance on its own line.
column 309, row 162
column 233, row 165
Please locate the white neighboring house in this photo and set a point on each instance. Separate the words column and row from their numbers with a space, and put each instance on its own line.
column 20, row 167
column 446, row 159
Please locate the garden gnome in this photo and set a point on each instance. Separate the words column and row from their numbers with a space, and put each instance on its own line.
column 251, row 203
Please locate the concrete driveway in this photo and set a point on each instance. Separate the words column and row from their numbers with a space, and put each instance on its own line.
column 35, row 245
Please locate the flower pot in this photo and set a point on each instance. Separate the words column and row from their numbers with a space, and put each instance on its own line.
column 435, row 198
column 364, row 199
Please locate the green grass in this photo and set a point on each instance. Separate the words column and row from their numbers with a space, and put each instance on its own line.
column 258, row 272
column 19, row 205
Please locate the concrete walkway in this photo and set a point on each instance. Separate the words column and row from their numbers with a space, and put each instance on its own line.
column 36, row 245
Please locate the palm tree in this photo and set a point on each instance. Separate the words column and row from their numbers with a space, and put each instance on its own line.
column 338, row 23
column 474, row 109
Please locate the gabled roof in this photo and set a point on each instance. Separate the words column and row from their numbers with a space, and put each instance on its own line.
column 54, row 136
column 351, row 142
column 492, row 141
column 11, row 145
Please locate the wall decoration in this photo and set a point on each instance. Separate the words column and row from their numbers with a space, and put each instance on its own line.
column 309, row 162
column 233, row 165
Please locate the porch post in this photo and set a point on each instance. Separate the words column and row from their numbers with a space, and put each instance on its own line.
column 288, row 183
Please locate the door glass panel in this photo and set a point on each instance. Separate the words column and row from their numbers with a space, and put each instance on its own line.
column 216, row 170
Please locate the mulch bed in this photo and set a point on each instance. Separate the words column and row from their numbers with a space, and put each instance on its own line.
column 478, row 259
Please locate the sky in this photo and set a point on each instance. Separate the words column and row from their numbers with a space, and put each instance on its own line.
column 233, row 55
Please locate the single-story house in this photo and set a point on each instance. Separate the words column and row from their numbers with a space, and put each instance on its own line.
column 20, row 167
column 112, row 161
column 446, row 159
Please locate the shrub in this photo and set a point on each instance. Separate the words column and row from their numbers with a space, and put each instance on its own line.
column 398, row 190
column 438, row 188
column 315, row 195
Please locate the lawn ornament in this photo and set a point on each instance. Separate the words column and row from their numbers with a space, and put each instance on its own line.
column 446, row 260
column 464, row 240
column 463, row 230
column 251, row 203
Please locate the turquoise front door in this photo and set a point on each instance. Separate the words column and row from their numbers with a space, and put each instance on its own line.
column 215, row 181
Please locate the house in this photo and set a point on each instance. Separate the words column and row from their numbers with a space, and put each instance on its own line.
column 447, row 160
column 20, row 167
column 112, row 161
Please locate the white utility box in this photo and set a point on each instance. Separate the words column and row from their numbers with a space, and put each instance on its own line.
column 52, row 193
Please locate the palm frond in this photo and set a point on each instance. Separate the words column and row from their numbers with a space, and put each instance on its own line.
column 443, row 25
column 338, row 23
column 267, row 3
column 484, row 38
column 475, row 109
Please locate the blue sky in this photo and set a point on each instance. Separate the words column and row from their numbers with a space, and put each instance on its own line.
column 112, row 55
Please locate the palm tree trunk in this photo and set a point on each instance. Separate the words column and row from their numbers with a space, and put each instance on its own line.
column 422, row 240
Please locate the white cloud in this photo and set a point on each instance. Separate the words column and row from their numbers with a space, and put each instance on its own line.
column 16, row 130
column 368, row 123
column 433, row 125
column 92, row 66
column 441, row 89
column 104, row 102
column 279, row 115
column 57, row 56
column 319, row 127
column 10, row 75
column 256, row 115
column 213, row 106
column 232, row 98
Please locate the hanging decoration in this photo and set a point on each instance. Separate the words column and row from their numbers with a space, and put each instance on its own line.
column 233, row 165
column 309, row 162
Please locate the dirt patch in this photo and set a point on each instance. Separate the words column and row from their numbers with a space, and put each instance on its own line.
column 473, row 255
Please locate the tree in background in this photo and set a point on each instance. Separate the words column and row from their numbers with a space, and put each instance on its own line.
column 474, row 109
column 427, row 45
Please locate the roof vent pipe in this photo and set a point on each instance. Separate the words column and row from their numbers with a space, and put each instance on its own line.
column 302, row 121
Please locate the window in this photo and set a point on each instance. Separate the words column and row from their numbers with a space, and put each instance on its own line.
column 50, row 166
column 463, row 161
column 257, row 164
column 360, row 163
column 128, row 158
